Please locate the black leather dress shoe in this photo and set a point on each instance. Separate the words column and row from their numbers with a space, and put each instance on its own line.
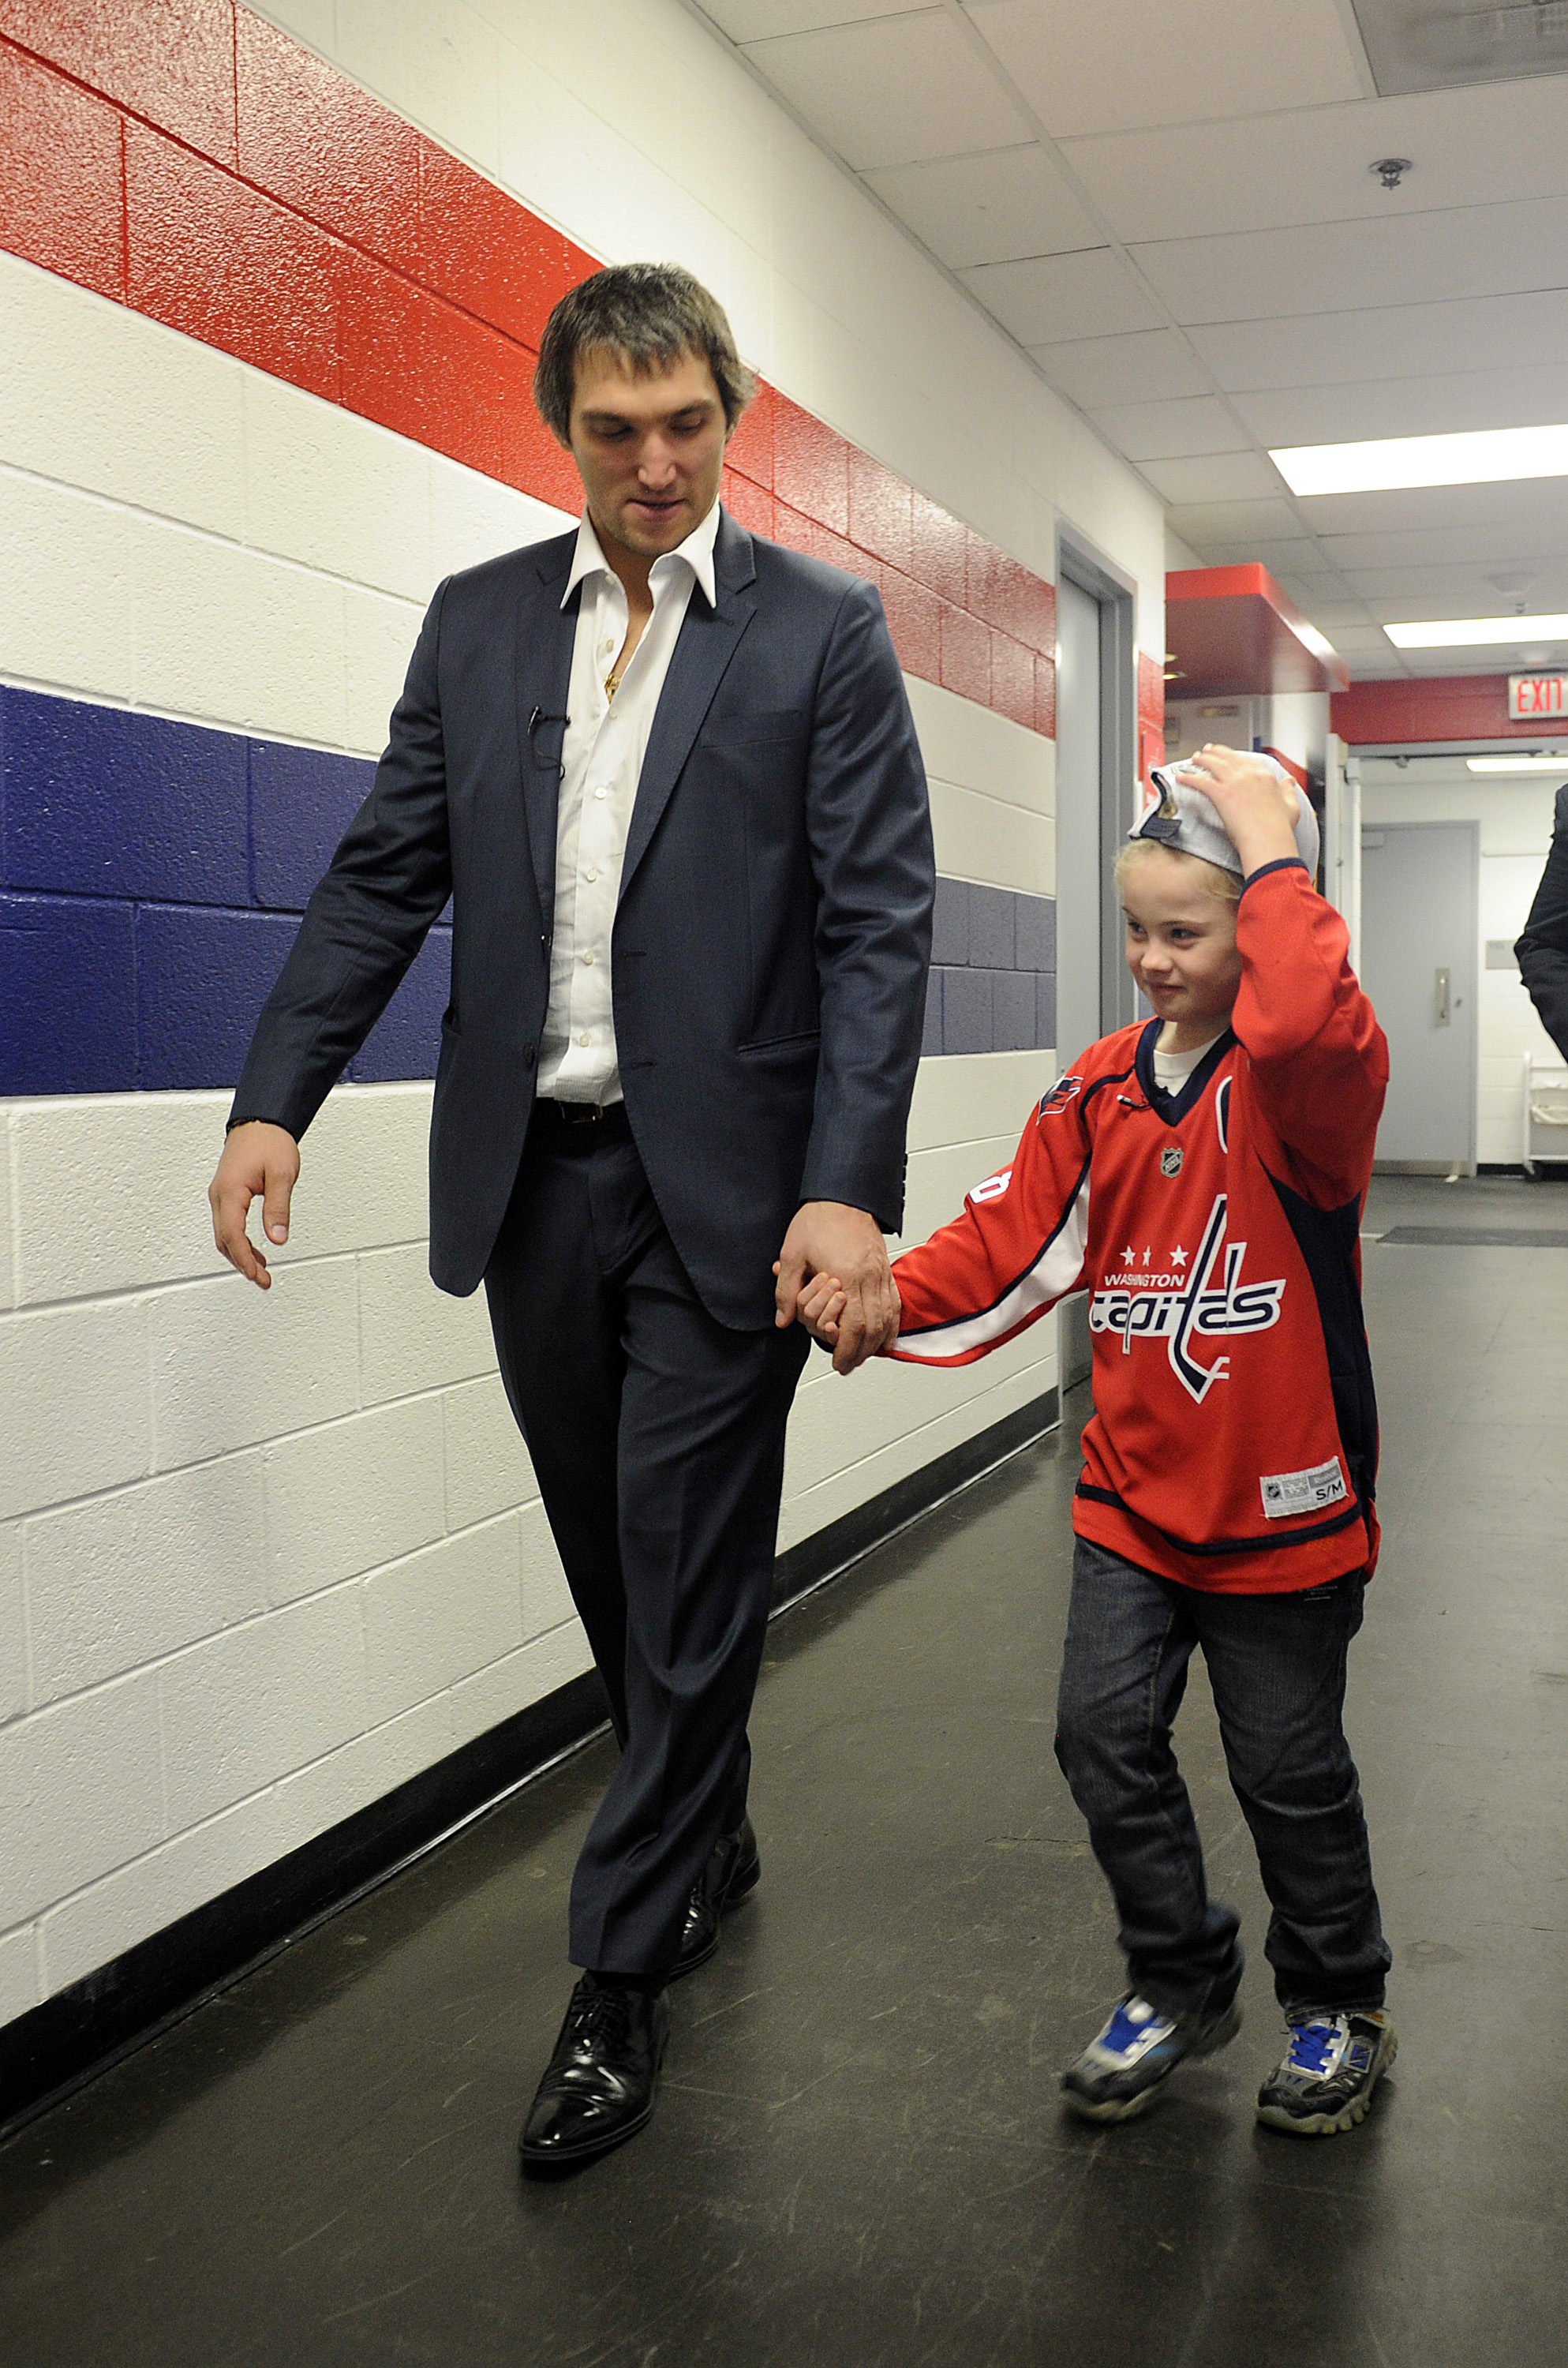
column 603, row 2077
column 732, row 1871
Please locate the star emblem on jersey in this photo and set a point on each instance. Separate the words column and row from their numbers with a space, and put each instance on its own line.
column 1195, row 1301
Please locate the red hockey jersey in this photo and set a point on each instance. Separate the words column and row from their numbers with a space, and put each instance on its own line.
column 1233, row 1440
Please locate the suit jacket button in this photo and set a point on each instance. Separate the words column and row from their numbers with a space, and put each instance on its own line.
column 527, row 1056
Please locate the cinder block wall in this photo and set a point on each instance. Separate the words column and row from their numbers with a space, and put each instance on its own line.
column 261, row 1559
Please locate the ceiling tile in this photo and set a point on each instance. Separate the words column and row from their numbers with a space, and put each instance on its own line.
column 1428, row 604
column 1222, row 477
column 1144, row 367
column 1387, row 341
column 1140, row 62
column 1331, row 615
column 989, row 209
column 758, row 20
column 1474, row 147
column 1495, row 544
column 1408, row 406
column 893, row 90
column 1052, row 296
column 1461, row 591
column 1234, row 523
column 1421, row 663
column 1526, row 504
column 1364, row 640
column 1267, row 275
column 1165, row 431
column 1282, row 559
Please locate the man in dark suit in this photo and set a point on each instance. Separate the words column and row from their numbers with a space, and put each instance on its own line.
column 667, row 772
column 1542, row 950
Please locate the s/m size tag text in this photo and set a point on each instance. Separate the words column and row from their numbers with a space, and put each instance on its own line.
column 1285, row 1493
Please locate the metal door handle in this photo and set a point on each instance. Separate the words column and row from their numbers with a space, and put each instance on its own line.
column 1442, row 1014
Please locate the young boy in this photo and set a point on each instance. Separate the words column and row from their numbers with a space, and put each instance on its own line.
column 1201, row 1174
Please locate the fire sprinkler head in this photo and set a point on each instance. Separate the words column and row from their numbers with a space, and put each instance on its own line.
column 1390, row 170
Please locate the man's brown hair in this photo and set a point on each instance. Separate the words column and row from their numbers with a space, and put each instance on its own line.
column 651, row 315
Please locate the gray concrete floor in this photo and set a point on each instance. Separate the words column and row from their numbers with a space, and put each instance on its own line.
column 859, row 2159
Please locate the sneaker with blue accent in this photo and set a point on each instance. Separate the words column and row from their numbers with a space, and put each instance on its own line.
column 1122, row 2071
column 1323, row 2083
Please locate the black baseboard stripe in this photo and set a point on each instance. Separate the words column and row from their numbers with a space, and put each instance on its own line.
column 78, row 2033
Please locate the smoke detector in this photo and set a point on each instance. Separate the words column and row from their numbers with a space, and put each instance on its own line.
column 1515, row 587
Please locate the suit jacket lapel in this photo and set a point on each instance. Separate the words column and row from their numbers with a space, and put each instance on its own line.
column 545, row 636
column 707, row 643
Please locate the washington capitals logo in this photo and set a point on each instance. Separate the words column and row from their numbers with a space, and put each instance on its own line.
column 1204, row 1295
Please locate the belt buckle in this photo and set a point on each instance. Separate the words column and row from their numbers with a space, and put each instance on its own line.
column 580, row 1114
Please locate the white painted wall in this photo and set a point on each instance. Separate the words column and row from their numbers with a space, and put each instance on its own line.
column 1516, row 832
column 829, row 299
column 261, row 1559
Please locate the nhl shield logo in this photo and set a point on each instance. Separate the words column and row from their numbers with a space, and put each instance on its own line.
column 1170, row 1159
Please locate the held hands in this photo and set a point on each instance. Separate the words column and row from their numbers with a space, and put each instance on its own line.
column 834, row 1276
column 257, row 1158
column 1256, row 807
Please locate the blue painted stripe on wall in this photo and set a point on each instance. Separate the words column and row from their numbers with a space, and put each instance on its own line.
column 992, row 971
column 151, row 875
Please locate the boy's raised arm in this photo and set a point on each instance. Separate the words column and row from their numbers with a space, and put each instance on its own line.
column 1319, row 1058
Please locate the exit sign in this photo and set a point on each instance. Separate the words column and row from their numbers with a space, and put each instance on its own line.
column 1532, row 695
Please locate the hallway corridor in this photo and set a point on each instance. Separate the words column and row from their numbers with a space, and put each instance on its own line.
column 859, row 2159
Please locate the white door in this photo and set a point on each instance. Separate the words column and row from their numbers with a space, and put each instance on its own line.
column 1081, row 858
column 1081, row 864
column 1419, row 885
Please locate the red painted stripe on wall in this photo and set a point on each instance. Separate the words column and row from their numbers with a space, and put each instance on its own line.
column 1436, row 707
column 196, row 163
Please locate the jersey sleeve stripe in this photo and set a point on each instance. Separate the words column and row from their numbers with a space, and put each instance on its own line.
column 1053, row 1270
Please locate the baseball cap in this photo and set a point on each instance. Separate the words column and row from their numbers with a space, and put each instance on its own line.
column 1176, row 815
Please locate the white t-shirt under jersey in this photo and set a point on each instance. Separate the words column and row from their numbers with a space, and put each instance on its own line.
column 1171, row 1070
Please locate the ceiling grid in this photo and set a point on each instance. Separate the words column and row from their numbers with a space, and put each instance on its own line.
column 1173, row 213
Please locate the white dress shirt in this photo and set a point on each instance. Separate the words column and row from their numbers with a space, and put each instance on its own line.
column 601, row 765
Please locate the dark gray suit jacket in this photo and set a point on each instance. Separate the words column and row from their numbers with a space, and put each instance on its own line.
column 770, row 948
column 1542, row 950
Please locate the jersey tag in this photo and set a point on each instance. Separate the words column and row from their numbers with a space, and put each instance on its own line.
column 1170, row 1159
column 1285, row 1493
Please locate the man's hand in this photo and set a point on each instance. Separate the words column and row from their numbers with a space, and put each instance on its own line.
column 257, row 1158
column 829, row 1237
column 1256, row 807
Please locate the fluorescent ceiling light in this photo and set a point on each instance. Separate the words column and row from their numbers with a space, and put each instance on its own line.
column 1474, row 632
column 1482, row 456
column 1558, row 764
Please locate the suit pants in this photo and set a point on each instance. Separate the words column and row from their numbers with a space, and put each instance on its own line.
column 657, row 1438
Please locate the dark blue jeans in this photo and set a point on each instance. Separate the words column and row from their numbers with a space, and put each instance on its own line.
column 1277, row 1670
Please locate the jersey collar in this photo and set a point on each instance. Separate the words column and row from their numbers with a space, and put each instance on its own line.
column 1174, row 1108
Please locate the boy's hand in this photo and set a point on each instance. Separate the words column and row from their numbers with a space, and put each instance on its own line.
column 832, row 1237
column 1256, row 807
column 819, row 1307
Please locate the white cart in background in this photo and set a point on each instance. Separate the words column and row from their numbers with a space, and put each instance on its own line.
column 1546, row 1111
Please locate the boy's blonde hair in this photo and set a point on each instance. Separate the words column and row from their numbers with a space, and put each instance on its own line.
column 1211, row 877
